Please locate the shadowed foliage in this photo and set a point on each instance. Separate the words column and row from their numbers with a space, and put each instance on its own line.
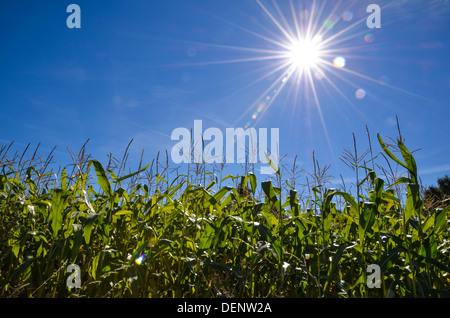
column 139, row 234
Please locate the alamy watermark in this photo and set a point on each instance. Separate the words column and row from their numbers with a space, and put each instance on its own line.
column 74, row 279
column 374, row 19
column 374, row 279
column 74, row 19
column 207, row 146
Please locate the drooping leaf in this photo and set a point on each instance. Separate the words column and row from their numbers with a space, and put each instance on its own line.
column 253, row 182
column 271, row 194
column 389, row 153
column 409, row 160
column 102, row 179
column 388, row 259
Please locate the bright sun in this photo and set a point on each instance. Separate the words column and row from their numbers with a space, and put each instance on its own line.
column 304, row 54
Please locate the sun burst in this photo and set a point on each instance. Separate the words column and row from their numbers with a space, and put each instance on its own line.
column 306, row 49
column 304, row 54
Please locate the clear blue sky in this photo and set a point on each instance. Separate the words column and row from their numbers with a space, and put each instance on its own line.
column 139, row 69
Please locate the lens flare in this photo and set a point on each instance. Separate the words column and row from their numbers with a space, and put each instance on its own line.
column 347, row 16
column 339, row 62
column 368, row 38
column 142, row 253
column 360, row 93
column 141, row 259
column 330, row 22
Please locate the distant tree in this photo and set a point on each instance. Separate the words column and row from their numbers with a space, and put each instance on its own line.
column 438, row 197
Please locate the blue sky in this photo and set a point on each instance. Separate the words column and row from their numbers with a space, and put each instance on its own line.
column 139, row 69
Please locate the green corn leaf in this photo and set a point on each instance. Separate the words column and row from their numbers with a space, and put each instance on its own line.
column 90, row 220
column 56, row 211
column 293, row 202
column 123, row 212
column 440, row 221
column 388, row 259
column 210, row 185
column 213, row 200
column 207, row 238
column 271, row 194
column 273, row 166
column 349, row 199
column 253, row 182
column 64, row 180
column 221, row 193
column 334, row 263
column 413, row 202
column 102, row 179
column 429, row 222
column 409, row 160
column 367, row 218
column 133, row 174
column 267, row 236
column 400, row 181
column 389, row 153
column 378, row 191
column 77, row 241
column 272, row 221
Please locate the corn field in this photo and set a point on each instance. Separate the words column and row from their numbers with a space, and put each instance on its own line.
column 230, row 236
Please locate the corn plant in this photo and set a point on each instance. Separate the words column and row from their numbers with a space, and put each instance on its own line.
column 173, row 238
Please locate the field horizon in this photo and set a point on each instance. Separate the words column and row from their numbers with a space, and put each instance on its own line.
column 150, row 233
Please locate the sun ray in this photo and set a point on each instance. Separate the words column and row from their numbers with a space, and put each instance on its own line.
column 283, row 19
column 275, row 21
column 319, row 109
column 284, row 81
column 282, row 65
column 294, row 17
column 230, row 61
column 261, row 36
column 309, row 45
column 368, row 78
column 339, row 91
column 337, row 37
column 330, row 21
column 281, row 78
column 313, row 21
